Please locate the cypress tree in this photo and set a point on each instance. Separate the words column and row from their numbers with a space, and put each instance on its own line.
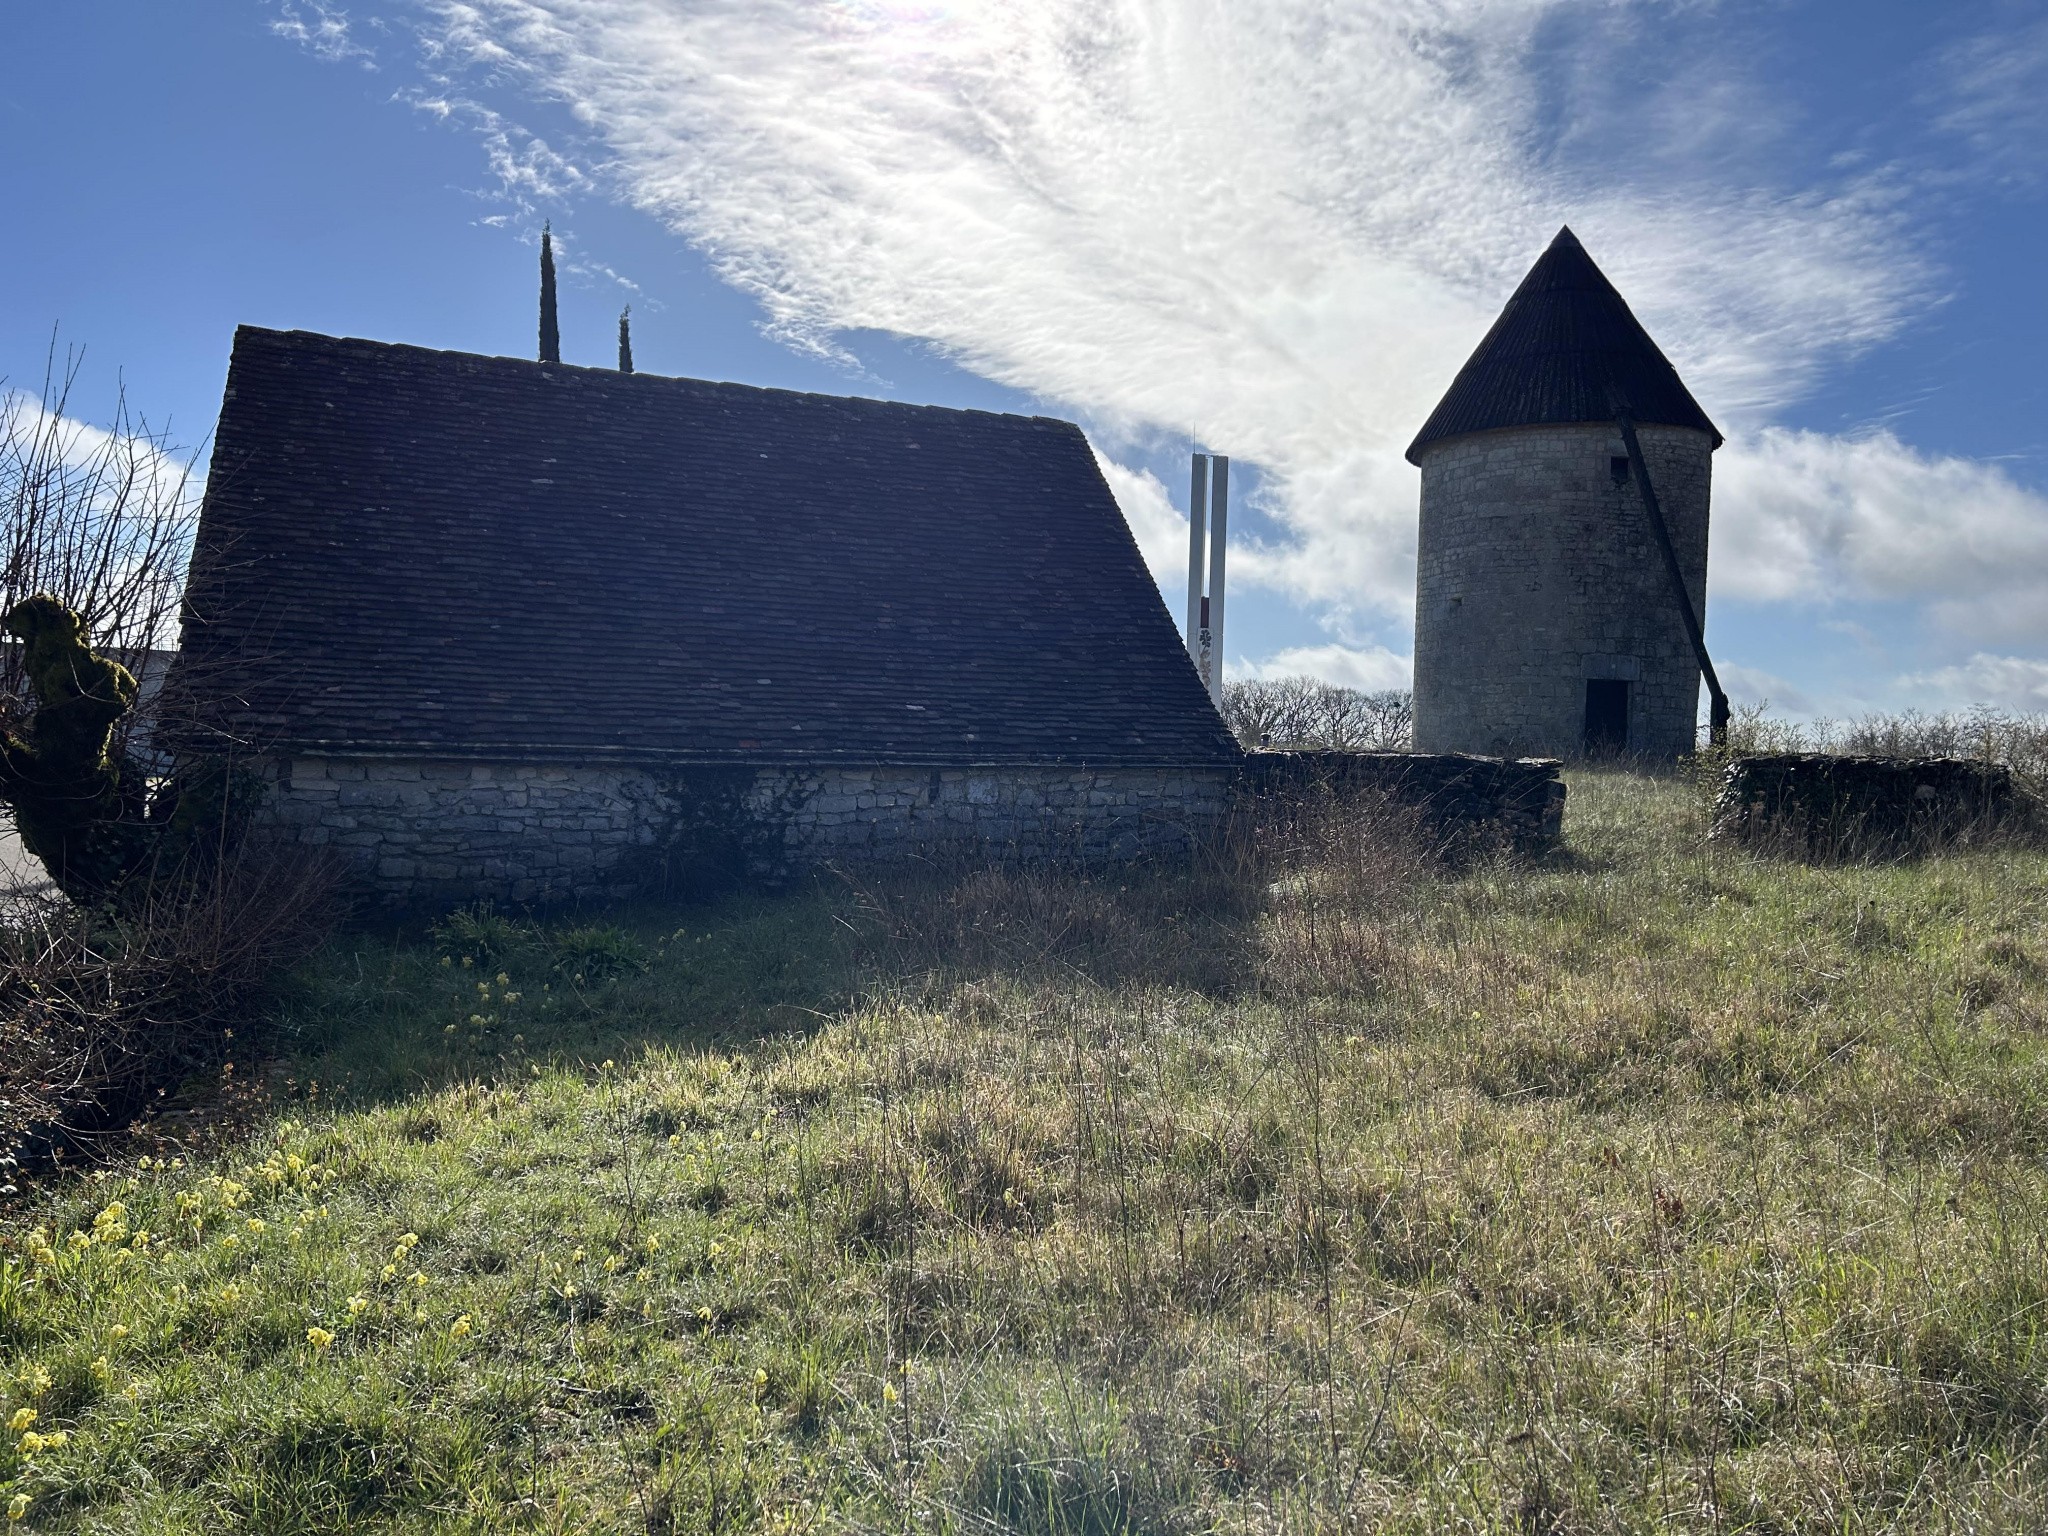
column 550, row 332
column 625, row 340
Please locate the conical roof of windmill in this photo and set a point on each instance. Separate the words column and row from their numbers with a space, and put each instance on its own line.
column 1566, row 348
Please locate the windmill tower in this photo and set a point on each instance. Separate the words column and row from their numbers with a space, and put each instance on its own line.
column 1562, row 560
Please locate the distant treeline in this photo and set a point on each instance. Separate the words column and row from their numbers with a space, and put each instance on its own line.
column 1301, row 712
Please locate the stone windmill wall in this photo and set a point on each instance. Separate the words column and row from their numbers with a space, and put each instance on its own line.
column 1545, row 619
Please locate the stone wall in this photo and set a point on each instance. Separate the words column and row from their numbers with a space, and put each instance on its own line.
column 1537, row 571
column 1821, row 806
column 1462, row 800
column 438, row 834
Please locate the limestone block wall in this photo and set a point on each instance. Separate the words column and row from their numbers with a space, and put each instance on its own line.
column 1537, row 571
column 1462, row 800
column 429, row 834
column 1815, row 805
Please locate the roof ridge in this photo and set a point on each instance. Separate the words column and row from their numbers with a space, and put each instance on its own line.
column 298, row 334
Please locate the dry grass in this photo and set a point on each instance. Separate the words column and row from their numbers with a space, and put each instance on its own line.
column 1655, row 1188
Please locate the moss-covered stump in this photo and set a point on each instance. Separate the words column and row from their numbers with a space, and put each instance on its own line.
column 1818, row 805
column 76, row 808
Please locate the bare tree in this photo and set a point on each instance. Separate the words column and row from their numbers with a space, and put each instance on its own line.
column 99, row 517
column 1302, row 712
column 96, row 526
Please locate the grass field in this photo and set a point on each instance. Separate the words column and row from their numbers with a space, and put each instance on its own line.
column 1653, row 1188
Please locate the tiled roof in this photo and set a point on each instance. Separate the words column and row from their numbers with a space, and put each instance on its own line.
column 1566, row 339
column 431, row 553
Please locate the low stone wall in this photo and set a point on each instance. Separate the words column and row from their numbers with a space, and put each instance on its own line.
column 1815, row 805
column 1517, row 802
column 439, row 834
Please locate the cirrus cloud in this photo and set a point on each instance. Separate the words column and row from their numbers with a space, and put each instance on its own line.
column 1276, row 228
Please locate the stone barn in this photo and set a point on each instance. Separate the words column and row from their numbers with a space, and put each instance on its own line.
column 1547, row 620
column 495, row 628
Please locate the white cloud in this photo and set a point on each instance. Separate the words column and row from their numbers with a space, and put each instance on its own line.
column 1160, row 530
column 1755, row 685
column 1371, row 668
column 1996, row 85
column 95, row 465
column 2015, row 683
column 321, row 29
column 1277, row 228
column 1810, row 516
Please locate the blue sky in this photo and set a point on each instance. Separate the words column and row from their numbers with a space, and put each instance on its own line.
column 1273, row 230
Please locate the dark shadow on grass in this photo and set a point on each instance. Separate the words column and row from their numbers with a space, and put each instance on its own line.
column 490, row 996
column 485, row 996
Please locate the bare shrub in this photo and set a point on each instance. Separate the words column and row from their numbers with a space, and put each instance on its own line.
column 1302, row 712
column 2017, row 741
column 97, row 1012
column 174, row 931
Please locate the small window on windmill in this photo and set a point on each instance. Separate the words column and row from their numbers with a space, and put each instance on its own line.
column 1617, row 466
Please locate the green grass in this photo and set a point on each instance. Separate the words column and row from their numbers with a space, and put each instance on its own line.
column 1655, row 1188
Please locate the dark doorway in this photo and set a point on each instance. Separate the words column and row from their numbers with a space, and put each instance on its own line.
column 1606, row 716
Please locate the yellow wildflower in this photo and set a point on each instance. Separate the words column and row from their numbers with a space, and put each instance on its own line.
column 613, row 1264
column 418, row 1279
column 319, row 1338
column 459, row 1329
column 23, row 1418
column 256, row 1224
column 36, row 1380
column 388, row 1273
column 111, row 1225
column 119, row 1330
column 358, row 1305
column 760, row 1378
column 888, row 1392
column 17, row 1506
column 577, row 1257
column 504, row 980
column 103, row 1368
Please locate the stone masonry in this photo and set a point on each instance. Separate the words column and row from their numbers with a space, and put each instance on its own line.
column 1537, row 571
column 1462, row 801
column 439, row 834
